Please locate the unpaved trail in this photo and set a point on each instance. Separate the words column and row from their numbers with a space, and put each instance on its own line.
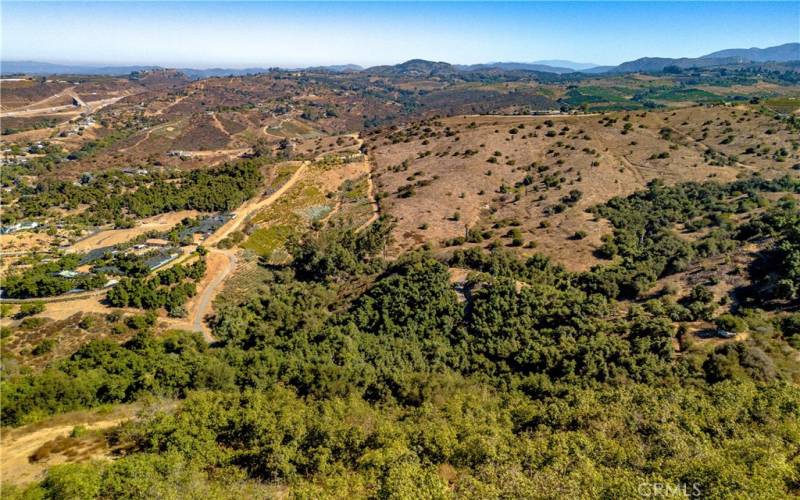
column 280, row 124
column 367, row 169
column 218, row 124
column 543, row 115
column 215, row 277
column 168, row 106
column 333, row 212
column 140, row 141
column 635, row 169
column 109, row 237
column 65, row 109
column 371, row 196
column 702, row 147
column 37, row 105
column 231, row 153
column 221, row 264
column 370, row 187
column 88, row 108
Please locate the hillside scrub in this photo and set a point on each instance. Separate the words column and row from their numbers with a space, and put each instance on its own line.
column 344, row 373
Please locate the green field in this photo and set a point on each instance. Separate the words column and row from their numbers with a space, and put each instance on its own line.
column 593, row 95
column 683, row 95
column 788, row 104
column 264, row 241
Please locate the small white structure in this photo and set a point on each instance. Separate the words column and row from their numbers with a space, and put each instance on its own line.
column 19, row 226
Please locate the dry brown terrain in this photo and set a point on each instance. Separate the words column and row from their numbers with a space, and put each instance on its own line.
column 112, row 237
column 61, row 321
column 23, row 242
column 439, row 178
column 28, row 451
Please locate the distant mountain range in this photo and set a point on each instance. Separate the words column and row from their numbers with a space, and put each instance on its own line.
column 779, row 53
column 421, row 68
column 515, row 66
column 43, row 68
column 337, row 68
column 731, row 57
column 560, row 63
column 656, row 64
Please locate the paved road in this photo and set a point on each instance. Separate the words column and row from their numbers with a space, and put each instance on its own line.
column 88, row 107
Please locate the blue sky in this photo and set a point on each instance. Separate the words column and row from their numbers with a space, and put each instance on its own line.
column 239, row 34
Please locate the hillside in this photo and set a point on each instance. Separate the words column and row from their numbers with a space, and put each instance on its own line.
column 508, row 176
column 412, row 281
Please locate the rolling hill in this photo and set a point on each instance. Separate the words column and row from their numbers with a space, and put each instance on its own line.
column 779, row 53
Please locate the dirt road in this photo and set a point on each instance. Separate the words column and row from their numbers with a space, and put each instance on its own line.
column 168, row 106
column 221, row 263
column 250, row 207
column 88, row 108
column 109, row 237
column 370, row 187
column 36, row 106
column 211, row 284
column 205, row 298
column 218, row 272
column 371, row 196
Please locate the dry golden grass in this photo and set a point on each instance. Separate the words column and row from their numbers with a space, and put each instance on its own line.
column 580, row 151
column 80, row 436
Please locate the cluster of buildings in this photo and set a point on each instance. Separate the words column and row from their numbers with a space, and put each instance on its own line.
column 78, row 126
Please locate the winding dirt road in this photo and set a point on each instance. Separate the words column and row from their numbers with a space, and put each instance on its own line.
column 217, row 274
column 371, row 196
column 222, row 263
column 370, row 187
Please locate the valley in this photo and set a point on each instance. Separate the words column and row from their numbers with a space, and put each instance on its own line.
column 406, row 281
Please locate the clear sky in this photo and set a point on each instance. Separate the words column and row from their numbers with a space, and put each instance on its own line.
column 240, row 34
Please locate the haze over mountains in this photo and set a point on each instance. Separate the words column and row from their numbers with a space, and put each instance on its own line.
column 789, row 52
column 785, row 52
column 780, row 54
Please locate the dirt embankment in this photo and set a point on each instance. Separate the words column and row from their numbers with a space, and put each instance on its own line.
column 28, row 451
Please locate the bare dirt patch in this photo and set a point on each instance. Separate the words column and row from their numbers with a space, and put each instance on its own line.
column 24, row 241
column 111, row 237
column 28, row 451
